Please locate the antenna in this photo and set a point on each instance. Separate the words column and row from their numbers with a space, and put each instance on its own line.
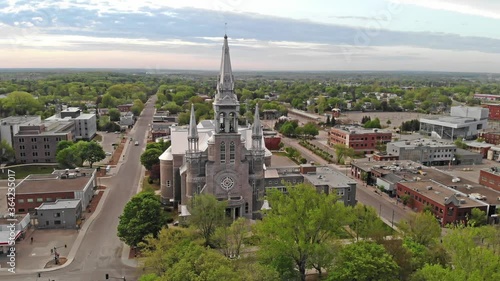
column 225, row 28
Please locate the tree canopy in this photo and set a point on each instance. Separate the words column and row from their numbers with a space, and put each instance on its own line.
column 296, row 227
column 142, row 216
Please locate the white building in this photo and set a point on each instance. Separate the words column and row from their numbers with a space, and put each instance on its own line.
column 85, row 123
column 424, row 151
column 9, row 126
column 463, row 122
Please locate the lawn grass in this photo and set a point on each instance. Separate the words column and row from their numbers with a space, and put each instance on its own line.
column 23, row 171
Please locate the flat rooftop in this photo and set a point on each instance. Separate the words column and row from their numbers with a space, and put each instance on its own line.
column 423, row 142
column 329, row 176
column 85, row 116
column 360, row 130
column 440, row 194
column 60, row 204
column 14, row 120
column 449, row 119
column 50, row 183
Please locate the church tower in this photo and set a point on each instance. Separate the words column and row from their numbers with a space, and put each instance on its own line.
column 227, row 169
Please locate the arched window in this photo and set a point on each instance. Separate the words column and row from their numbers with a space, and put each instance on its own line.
column 231, row 152
column 232, row 117
column 222, row 121
column 223, row 152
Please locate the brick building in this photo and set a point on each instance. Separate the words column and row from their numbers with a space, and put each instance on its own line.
column 448, row 205
column 494, row 111
column 358, row 138
column 490, row 137
column 490, row 177
column 69, row 184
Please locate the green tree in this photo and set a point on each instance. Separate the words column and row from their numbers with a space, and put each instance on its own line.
column 310, row 129
column 477, row 217
column 366, row 223
column 91, row 152
column 287, row 129
column 342, row 151
column 364, row 261
column 473, row 255
column 141, row 216
column 7, row 153
column 63, row 144
column 207, row 213
column 68, row 158
column 229, row 239
column 21, row 103
column 161, row 145
column 150, row 157
column 296, row 227
column 137, row 107
column 422, row 228
column 114, row 114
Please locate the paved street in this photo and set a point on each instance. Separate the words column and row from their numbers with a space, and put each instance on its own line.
column 100, row 251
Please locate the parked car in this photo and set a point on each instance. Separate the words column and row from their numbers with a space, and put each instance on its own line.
column 136, row 143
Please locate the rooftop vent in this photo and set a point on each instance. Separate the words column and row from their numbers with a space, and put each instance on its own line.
column 462, row 201
column 429, row 187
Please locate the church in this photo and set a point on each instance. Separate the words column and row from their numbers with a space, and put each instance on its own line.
column 217, row 156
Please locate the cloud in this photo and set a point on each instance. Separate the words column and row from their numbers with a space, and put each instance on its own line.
column 482, row 8
column 95, row 28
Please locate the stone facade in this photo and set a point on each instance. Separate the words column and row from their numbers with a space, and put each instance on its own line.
column 217, row 156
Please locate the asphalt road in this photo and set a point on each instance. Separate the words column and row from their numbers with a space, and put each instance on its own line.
column 100, row 251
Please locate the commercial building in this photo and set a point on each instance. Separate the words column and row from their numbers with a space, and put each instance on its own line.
column 424, row 151
column 35, row 190
column 358, row 138
column 448, row 205
column 38, row 143
column 85, row 123
column 466, row 157
column 494, row 111
column 9, row 126
column 479, row 147
column 490, row 177
column 329, row 181
column 463, row 122
column 325, row 179
column 63, row 213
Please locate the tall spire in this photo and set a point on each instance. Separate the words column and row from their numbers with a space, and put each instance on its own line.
column 193, row 131
column 257, row 127
column 226, row 80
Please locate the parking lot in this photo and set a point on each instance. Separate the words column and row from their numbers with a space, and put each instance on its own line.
column 107, row 144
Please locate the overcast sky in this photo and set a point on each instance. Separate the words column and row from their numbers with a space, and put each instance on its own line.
column 435, row 35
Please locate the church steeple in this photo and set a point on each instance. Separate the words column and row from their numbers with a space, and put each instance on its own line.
column 256, row 130
column 226, row 105
column 193, row 132
column 226, row 79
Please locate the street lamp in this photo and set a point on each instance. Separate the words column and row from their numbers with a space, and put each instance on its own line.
column 56, row 254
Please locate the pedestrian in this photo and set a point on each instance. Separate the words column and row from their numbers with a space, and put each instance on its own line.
column 31, row 239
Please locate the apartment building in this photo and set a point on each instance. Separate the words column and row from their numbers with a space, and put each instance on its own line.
column 38, row 143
